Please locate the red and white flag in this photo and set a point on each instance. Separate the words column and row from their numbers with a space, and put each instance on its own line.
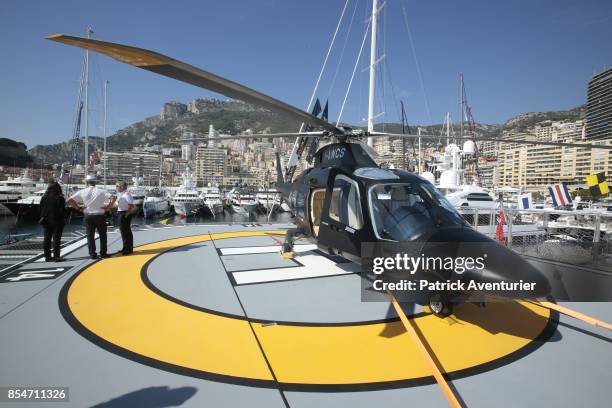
column 501, row 221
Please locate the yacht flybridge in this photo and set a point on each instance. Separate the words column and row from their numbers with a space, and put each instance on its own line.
column 451, row 181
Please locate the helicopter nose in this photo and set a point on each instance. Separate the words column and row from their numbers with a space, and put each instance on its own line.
column 503, row 266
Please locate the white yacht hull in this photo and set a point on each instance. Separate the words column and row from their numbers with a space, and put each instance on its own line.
column 185, row 209
column 215, row 208
column 153, row 208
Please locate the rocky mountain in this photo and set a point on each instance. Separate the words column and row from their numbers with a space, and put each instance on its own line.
column 234, row 117
column 176, row 118
column 526, row 120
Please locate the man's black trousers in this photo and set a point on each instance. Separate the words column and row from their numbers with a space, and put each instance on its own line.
column 93, row 223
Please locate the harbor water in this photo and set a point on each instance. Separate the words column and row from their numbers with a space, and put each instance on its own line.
column 11, row 228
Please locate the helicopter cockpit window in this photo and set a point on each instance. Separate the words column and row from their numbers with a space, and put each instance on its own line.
column 405, row 211
column 345, row 206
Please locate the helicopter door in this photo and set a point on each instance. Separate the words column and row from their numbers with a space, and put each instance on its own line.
column 317, row 199
column 342, row 218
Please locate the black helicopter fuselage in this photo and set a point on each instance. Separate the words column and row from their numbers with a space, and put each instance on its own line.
column 346, row 200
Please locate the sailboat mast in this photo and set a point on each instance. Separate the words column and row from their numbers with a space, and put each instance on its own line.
column 161, row 165
column 372, row 72
column 462, row 108
column 404, row 163
column 420, row 169
column 104, row 126
column 88, row 31
column 447, row 128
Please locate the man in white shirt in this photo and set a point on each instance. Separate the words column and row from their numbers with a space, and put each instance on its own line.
column 125, row 210
column 92, row 199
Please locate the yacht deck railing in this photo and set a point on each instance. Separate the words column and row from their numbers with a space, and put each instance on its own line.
column 581, row 237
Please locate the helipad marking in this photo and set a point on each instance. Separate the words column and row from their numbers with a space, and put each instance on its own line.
column 108, row 303
column 314, row 266
column 264, row 249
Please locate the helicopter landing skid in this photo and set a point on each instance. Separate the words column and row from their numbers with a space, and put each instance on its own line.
column 287, row 245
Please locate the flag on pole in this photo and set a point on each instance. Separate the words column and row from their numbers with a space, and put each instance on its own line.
column 560, row 194
column 524, row 201
column 597, row 184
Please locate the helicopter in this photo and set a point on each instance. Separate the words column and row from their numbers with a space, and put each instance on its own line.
column 345, row 199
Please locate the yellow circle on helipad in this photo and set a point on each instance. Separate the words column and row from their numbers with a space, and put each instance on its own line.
column 108, row 303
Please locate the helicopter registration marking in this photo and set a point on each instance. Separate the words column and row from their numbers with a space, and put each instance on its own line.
column 335, row 153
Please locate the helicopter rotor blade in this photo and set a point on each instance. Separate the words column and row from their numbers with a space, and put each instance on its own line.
column 169, row 67
column 492, row 139
column 254, row 136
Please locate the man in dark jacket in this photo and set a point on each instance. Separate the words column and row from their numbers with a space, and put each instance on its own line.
column 52, row 218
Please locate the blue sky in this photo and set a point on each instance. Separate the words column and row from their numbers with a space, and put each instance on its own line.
column 517, row 56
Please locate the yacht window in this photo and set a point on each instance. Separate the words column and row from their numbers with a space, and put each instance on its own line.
column 345, row 206
column 479, row 197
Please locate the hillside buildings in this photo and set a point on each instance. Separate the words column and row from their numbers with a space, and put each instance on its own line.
column 211, row 165
column 535, row 167
column 125, row 166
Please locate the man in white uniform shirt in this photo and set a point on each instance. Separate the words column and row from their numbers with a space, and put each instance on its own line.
column 125, row 210
column 93, row 198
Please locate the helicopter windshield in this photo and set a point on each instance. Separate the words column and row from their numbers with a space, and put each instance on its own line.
column 405, row 211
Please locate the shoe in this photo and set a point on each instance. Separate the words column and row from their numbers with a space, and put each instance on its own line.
column 105, row 256
column 58, row 259
column 126, row 252
column 48, row 259
column 93, row 256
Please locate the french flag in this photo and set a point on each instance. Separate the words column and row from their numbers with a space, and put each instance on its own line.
column 524, row 201
column 560, row 194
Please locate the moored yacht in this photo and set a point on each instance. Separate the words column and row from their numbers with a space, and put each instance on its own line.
column 269, row 199
column 18, row 187
column 138, row 192
column 27, row 207
column 187, row 200
column 156, row 203
column 243, row 202
column 15, row 188
column 212, row 199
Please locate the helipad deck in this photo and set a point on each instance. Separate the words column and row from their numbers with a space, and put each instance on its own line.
column 210, row 315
